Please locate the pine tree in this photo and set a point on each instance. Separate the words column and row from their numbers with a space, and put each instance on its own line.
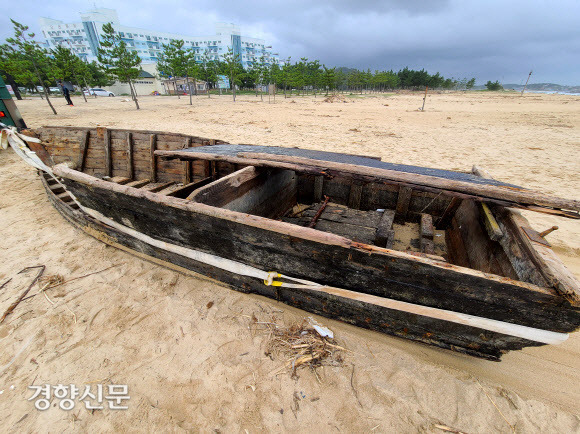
column 119, row 60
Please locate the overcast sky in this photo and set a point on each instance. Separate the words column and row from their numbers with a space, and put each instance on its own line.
column 489, row 40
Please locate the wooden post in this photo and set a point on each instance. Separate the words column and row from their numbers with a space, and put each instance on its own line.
column 318, row 184
column 425, row 98
column 153, row 144
column 108, row 156
column 385, row 235
column 526, row 85
column 130, row 170
column 187, row 165
column 84, row 146
column 403, row 203
column 427, row 233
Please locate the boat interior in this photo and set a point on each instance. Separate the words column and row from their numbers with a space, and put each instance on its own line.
column 383, row 214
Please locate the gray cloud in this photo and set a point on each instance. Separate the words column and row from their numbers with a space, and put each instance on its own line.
column 487, row 40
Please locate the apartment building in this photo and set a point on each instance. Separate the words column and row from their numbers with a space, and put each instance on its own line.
column 84, row 38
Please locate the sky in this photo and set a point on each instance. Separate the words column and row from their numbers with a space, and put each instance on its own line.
column 488, row 40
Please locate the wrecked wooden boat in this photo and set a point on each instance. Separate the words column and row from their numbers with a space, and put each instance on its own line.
column 439, row 257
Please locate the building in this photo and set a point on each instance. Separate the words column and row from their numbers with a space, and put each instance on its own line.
column 84, row 38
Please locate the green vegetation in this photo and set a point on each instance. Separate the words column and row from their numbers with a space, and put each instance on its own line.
column 23, row 62
column 119, row 61
column 493, row 85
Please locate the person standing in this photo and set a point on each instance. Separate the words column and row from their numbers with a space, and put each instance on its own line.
column 66, row 93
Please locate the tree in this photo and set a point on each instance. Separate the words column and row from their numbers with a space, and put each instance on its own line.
column 26, row 61
column 470, row 83
column 493, row 85
column 328, row 78
column 67, row 66
column 119, row 61
column 232, row 64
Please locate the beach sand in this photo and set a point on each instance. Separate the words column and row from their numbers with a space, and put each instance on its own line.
column 186, row 347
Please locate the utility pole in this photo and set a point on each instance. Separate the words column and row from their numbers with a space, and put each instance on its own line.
column 526, row 85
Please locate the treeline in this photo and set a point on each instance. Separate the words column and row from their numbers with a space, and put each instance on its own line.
column 24, row 62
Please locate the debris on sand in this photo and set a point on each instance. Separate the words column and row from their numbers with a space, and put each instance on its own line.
column 306, row 344
column 335, row 98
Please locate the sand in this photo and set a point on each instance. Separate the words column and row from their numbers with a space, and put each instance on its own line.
column 190, row 367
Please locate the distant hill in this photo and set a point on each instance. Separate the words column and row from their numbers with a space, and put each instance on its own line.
column 544, row 87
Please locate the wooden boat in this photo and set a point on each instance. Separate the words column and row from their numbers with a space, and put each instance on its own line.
column 439, row 257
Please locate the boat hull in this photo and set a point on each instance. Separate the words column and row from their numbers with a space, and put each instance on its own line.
column 346, row 266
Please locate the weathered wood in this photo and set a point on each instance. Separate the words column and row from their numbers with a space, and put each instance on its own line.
column 403, row 204
column 130, row 168
column 471, row 341
column 427, row 226
column 293, row 250
column 224, row 190
column 445, row 220
column 84, row 144
column 355, row 194
column 320, row 210
column 156, row 186
column 318, row 186
column 186, row 189
column 138, row 184
column 384, row 234
column 427, row 232
column 521, row 198
column 120, row 179
column 153, row 147
column 490, row 222
column 107, row 147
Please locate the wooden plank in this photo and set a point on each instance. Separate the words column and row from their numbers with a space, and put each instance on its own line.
column 223, row 190
column 120, row 179
column 318, row 185
column 521, row 198
column 130, row 168
column 153, row 147
column 154, row 187
column 384, row 234
column 108, row 156
column 355, row 194
column 490, row 223
column 427, row 226
column 338, row 213
column 83, row 150
column 445, row 220
column 403, row 204
column 185, row 190
column 138, row 184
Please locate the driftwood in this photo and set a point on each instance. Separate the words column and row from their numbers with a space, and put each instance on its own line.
column 13, row 305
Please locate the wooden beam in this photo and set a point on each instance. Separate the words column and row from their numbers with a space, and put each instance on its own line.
column 84, row 146
column 130, row 168
column 318, row 185
column 385, row 234
column 185, row 190
column 108, row 155
column 490, row 223
column 187, row 165
column 355, row 194
column 153, row 147
column 403, row 204
column 138, row 184
column 427, row 233
column 515, row 197
column 445, row 220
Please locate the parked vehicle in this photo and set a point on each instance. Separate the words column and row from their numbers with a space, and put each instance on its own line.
column 98, row 92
